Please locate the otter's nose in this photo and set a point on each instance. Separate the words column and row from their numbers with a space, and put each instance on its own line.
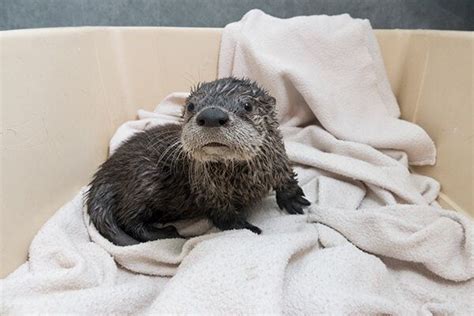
column 212, row 117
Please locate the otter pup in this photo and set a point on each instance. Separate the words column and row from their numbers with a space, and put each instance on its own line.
column 226, row 155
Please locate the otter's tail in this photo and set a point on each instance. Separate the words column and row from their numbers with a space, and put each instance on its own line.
column 100, row 203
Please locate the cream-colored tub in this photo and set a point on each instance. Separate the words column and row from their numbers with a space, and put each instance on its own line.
column 65, row 91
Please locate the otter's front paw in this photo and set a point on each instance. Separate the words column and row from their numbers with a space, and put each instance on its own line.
column 252, row 228
column 292, row 200
column 235, row 224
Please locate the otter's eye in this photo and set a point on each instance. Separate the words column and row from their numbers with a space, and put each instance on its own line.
column 248, row 107
column 190, row 107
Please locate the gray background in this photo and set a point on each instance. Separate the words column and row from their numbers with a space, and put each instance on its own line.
column 412, row 14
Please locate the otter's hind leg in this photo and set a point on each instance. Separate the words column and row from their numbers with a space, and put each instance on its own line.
column 147, row 232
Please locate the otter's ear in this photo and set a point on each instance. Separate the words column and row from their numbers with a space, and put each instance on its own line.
column 267, row 100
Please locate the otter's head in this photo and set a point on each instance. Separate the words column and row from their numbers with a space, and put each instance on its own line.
column 227, row 119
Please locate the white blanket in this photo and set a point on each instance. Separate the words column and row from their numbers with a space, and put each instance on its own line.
column 374, row 240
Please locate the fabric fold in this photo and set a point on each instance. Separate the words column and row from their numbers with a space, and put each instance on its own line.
column 374, row 240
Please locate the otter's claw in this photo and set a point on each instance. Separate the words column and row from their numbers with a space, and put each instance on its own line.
column 292, row 200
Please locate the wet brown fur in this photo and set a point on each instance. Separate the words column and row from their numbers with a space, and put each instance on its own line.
column 163, row 174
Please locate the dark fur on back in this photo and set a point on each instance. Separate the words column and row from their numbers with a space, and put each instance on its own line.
column 176, row 172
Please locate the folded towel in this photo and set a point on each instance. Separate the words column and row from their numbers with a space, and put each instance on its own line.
column 374, row 240
column 328, row 67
